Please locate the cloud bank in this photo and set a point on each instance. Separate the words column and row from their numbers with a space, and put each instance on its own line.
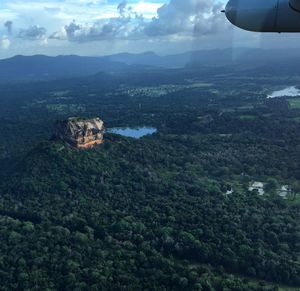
column 9, row 26
column 73, row 26
column 184, row 18
column 189, row 16
column 34, row 32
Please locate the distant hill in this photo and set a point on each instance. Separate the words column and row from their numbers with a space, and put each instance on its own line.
column 213, row 57
column 39, row 67
column 203, row 57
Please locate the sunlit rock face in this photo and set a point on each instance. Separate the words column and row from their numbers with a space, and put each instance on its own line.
column 80, row 133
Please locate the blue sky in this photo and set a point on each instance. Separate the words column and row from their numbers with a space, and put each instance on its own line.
column 101, row 27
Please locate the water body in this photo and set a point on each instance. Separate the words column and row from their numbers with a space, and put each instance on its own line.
column 287, row 92
column 133, row 132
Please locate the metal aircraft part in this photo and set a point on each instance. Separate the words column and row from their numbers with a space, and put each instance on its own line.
column 264, row 15
column 295, row 4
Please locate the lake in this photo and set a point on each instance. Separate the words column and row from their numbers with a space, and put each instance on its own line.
column 137, row 132
column 287, row 92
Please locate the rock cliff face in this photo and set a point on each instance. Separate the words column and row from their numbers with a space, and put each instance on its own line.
column 79, row 132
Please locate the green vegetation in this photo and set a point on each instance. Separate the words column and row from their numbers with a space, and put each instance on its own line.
column 294, row 103
column 150, row 214
column 247, row 117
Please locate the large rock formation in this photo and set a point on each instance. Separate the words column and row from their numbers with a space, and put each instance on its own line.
column 80, row 133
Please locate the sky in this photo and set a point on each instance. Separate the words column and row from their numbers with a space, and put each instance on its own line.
column 103, row 27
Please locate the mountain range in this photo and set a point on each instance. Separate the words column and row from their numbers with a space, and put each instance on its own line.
column 40, row 67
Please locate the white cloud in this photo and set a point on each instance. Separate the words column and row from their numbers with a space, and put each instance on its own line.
column 93, row 27
column 127, row 25
column 188, row 18
column 34, row 32
column 5, row 43
column 9, row 26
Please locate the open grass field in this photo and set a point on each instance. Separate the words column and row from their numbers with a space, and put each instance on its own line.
column 247, row 117
column 294, row 103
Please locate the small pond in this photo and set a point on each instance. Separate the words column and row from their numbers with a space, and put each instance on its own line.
column 135, row 132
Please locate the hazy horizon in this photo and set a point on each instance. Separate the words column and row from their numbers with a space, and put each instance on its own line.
column 165, row 54
column 89, row 28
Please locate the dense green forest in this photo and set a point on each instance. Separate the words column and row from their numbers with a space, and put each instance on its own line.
column 152, row 213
